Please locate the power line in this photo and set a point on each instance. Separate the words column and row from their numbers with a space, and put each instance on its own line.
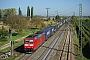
column 72, row 7
column 69, row 9
column 73, row 13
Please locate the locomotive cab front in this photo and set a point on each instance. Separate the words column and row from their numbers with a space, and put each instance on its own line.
column 29, row 42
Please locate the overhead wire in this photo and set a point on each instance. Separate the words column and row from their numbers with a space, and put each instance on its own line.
column 69, row 9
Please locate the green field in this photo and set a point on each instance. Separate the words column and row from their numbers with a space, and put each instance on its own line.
column 83, row 18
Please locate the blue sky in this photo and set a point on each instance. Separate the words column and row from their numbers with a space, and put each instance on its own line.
column 55, row 5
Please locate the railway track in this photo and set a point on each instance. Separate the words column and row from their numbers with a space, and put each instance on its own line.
column 23, row 57
column 4, row 46
column 65, row 52
column 47, row 51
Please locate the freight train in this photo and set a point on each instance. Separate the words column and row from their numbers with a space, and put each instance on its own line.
column 33, row 41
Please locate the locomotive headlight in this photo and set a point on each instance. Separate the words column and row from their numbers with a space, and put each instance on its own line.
column 31, row 41
column 26, row 44
column 31, row 44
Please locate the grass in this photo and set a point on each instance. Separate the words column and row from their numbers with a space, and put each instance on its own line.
column 75, row 39
column 24, row 33
column 14, row 45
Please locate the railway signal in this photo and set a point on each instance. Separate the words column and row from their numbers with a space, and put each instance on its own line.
column 11, row 42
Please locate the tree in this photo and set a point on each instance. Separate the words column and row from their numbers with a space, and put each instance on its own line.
column 3, row 34
column 9, row 11
column 31, row 12
column 37, row 23
column 53, row 19
column 0, row 13
column 89, row 17
column 49, row 18
column 20, row 12
column 74, row 18
column 28, row 11
column 57, row 18
column 17, row 22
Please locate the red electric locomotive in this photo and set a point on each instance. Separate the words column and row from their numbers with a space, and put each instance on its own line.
column 33, row 41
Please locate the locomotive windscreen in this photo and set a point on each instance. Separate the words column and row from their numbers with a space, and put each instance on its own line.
column 31, row 36
column 39, row 32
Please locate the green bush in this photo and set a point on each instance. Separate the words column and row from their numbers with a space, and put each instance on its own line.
column 15, row 34
column 4, row 38
column 3, row 33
